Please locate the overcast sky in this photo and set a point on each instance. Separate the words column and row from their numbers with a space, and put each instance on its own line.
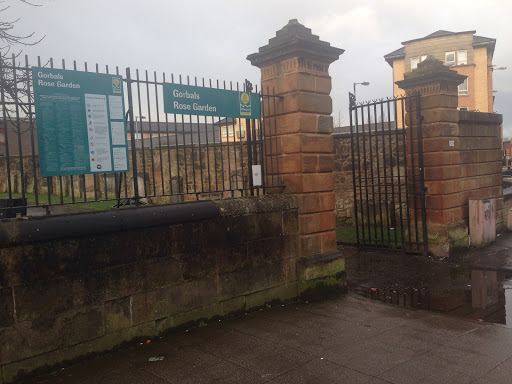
column 212, row 39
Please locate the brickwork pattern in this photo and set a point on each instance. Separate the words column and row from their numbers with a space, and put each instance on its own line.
column 483, row 81
column 305, row 148
column 462, row 160
column 295, row 67
column 470, row 167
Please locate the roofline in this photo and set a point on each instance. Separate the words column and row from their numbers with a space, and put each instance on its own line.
column 390, row 56
column 390, row 59
column 489, row 44
column 493, row 41
column 436, row 37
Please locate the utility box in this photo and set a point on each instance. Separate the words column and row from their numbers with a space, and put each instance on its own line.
column 509, row 220
column 482, row 220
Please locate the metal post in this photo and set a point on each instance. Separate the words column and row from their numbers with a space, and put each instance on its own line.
column 249, row 154
column 419, row 118
column 352, row 106
column 132, row 133
column 248, row 88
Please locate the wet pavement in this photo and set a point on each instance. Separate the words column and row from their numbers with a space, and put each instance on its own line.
column 475, row 283
column 385, row 337
column 350, row 339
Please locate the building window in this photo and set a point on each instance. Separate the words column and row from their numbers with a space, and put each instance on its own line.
column 449, row 58
column 231, row 130
column 463, row 88
column 414, row 62
column 242, row 131
column 462, row 57
column 224, row 131
column 463, row 109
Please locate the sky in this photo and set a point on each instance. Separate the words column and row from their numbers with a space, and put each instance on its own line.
column 211, row 39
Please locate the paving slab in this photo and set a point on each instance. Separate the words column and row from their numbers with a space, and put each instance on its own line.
column 350, row 339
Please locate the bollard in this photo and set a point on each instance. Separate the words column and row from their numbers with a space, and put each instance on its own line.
column 509, row 220
column 482, row 220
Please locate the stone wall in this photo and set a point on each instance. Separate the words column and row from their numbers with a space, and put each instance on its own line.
column 210, row 168
column 76, row 285
column 462, row 161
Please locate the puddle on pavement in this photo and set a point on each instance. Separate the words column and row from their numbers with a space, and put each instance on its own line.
column 476, row 293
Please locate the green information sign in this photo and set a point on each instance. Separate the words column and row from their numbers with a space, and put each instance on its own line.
column 80, row 122
column 191, row 100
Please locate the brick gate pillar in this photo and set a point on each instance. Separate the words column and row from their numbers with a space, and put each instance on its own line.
column 452, row 154
column 295, row 65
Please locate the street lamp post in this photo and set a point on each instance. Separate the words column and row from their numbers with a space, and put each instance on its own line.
column 365, row 83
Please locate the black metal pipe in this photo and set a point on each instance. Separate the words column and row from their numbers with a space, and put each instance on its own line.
column 103, row 222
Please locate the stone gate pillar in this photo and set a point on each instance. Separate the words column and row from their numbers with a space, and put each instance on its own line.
column 460, row 154
column 295, row 65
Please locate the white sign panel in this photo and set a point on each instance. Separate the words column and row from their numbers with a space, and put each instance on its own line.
column 256, row 175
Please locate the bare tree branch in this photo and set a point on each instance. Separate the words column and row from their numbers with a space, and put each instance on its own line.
column 14, row 76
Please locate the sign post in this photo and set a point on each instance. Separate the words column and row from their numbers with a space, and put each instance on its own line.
column 80, row 122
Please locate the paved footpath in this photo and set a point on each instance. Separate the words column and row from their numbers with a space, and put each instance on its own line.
column 346, row 340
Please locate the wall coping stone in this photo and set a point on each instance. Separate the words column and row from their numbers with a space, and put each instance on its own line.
column 480, row 117
column 37, row 229
column 256, row 204
column 379, row 133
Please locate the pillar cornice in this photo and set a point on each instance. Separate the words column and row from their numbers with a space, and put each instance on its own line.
column 295, row 40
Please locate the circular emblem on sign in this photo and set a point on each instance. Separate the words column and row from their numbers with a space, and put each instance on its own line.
column 116, row 82
column 244, row 97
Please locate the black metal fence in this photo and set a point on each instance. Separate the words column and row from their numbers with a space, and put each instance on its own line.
column 172, row 157
column 387, row 169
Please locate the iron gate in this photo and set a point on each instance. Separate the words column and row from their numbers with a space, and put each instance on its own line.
column 387, row 170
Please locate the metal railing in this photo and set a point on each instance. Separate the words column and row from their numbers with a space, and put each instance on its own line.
column 387, row 173
column 172, row 157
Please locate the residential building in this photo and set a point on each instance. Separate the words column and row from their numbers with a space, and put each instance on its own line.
column 507, row 152
column 235, row 129
column 465, row 52
column 172, row 133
